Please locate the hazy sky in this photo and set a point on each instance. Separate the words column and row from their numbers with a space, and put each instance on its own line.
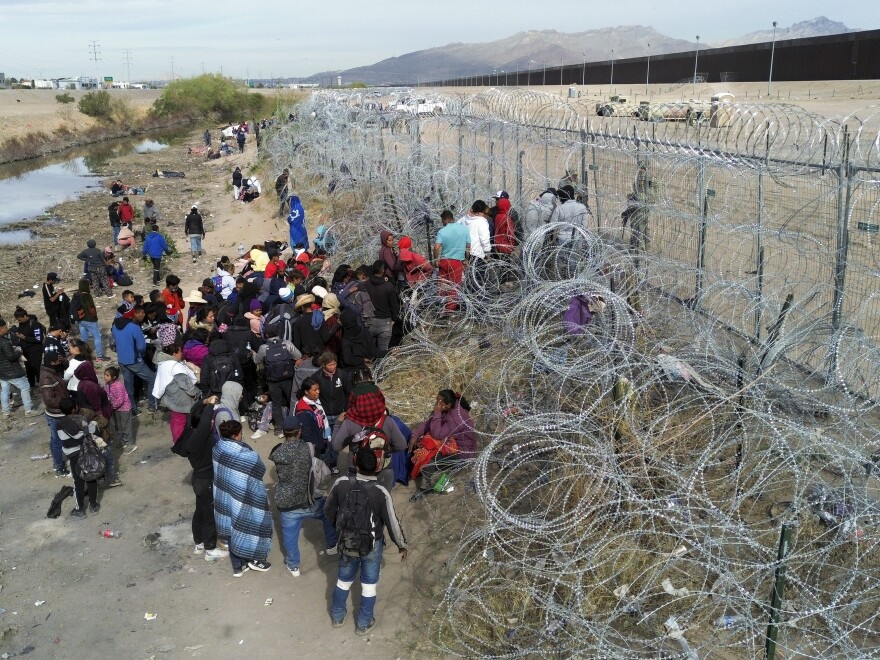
column 271, row 38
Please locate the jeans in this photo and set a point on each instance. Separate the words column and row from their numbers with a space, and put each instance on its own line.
column 21, row 383
column 291, row 524
column 195, row 243
column 87, row 328
column 116, row 229
column 55, row 442
column 142, row 371
column 348, row 568
column 331, row 456
column 381, row 329
column 279, row 393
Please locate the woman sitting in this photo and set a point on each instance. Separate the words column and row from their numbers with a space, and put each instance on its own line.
column 450, row 420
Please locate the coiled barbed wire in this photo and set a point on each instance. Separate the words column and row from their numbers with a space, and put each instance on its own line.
column 635, row 472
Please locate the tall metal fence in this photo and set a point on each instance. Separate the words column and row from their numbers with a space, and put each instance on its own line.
column 745, row 204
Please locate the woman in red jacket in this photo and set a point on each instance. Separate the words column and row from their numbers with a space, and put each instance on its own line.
column 415, row 267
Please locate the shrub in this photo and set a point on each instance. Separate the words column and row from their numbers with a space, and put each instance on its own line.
column 64, row 98
column 358, row 85
column 208, row 95
column 96, row 104
column 122, row 112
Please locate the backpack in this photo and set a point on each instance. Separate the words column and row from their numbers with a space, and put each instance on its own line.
column 91, row 460
column 217, row 281
column 124, row 280
column 319, row 478
column 224, row 368
column 282, row 318
column 375, row 438
column 279, row 363
column 354, row 522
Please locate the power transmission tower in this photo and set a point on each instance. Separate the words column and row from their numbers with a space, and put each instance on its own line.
column 126, row 55
column 95, row 56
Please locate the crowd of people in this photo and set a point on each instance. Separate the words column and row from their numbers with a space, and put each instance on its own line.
column 280, row 340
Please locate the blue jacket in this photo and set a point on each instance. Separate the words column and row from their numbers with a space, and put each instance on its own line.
column 130, row 341
column 155, row 245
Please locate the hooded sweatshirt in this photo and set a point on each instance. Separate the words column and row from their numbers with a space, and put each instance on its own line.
column 52, row 389
column 175, row 386
column 386, row 302
column 415, row 267
column 227, row 407
column 216, row 348
column 89, row 391
column 92, row 256
column 357, row 344
column 129, row 339
column 386, row 254
column 86, row 302
column 505, row 239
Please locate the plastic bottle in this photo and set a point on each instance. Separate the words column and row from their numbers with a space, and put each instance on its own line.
column 441, row 483
column 110, row 534
column 241, row 249
column 730, row 621
column 40, row 457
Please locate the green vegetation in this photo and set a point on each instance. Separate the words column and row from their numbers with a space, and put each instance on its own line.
column 64, row 98
column 209, row 95
column 358, row 85
column 96, row 104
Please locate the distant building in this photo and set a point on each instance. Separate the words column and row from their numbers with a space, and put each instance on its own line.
column 45, row 84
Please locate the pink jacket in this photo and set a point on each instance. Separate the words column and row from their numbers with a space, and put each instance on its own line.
column 456, row 423
column 118, row 396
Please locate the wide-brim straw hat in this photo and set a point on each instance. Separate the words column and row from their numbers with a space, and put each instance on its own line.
column 196, row 298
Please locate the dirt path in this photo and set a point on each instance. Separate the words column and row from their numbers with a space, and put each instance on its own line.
column 97, row 591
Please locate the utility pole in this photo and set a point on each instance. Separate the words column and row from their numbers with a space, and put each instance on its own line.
column 544, row 81
column 584, row 70
column 648, row 74
column 772, row 53
column 95, row 56
column 126, row 54
column 612, row 69
column 696, row 59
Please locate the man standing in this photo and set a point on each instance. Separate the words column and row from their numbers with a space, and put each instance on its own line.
column 282, row 188
column 194, row 228
column 55, row 301
column 94, row 259
column 130, row 347
column 477, row 222
column 571, row 211
column 154, row 247
column 151, row 213
column 452, row 249
column 386, row 306
column 53, row 390
column 12, row 374
column 279, row 357
column 115, row 221
column 88, row 322
column 294, row 493
column 126, row 212
column 353, row 500
column 240, row 137
column 207, row 138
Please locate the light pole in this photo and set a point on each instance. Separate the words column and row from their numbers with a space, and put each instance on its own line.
column 612, row 69
column 505, row 76
column 544, row 81
column 560, row 71
column 696, row 59
column 648, row 74
column 494, row 73
column 584, row 70
column 772, row 53
column 531, row 62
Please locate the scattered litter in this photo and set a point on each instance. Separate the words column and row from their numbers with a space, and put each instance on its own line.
column 132, row 450
column 150, row 616
column 177, row 587
column 268, row 602
column 193, row 648
column 40, row 457
column 241, row 642
column 2, row 611
column 168, row 648
column 39, row 602
column 142, row 462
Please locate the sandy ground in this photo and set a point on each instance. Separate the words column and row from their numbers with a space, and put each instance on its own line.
column 96, row 590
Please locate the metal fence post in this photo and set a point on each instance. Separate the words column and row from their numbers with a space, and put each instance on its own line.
column 595, row 168
column 504, row 160
column 547, row 157
column 519, row 176
column 460, row 148
column 489, row 184
column 778, row 589
column 844, row 203
column 759, row 294
column 703, row 197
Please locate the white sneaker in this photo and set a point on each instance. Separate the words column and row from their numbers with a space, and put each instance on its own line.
column 256, row 435
column 199, row 549
column 294, row 571
column 332, row 550
column 215, row 554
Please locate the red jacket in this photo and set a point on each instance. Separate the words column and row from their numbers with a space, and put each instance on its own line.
column 126, row 212
column 415, row 267
column 505, row 240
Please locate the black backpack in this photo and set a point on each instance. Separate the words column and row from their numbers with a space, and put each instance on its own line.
column 280, row 365
column 374, row 438
column 91, row 460
column 354, row 522
column 225, row 368
column 281, row 317
column 75, row 310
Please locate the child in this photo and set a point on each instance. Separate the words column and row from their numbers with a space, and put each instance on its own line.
column 121, row 406
column 72, row 429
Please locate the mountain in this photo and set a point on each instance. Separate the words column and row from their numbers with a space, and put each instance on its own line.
column 521, row 51
column 535, row 49
column 818, row 27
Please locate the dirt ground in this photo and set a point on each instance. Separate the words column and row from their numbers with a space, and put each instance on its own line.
column 98, row 591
